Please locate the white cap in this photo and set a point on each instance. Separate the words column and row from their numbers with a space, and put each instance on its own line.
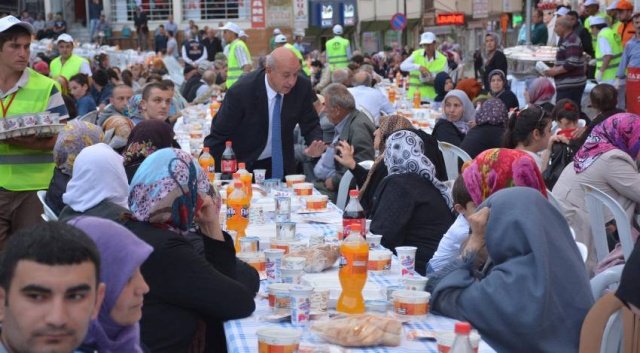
column 64, row 38
column 230, row 26
column 591, row 2
column 337, row 29
column 281, row 38
column 597, row 20
column 613, row 6
column 243, row 34
column 427, row 38
column 276, row 31
column 563, row 11
column 10, row 21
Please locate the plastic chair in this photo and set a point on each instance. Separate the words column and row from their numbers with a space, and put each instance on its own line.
column 48, row 215
column 345, row 182
column 368, row 114
column 554, row 201
column 90, row 117
column 605, row 279
column 596, row 200
column 584, row 252
column 451, row 155
column 600, row 334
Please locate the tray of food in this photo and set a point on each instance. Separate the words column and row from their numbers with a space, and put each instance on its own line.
column 43, row 124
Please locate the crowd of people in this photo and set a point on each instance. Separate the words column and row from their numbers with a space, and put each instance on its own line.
column 139, row 219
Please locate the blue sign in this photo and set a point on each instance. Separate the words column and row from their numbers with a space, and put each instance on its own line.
column 399, row 22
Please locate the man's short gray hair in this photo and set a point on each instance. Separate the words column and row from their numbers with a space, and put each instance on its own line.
column 362, row 78
column 564, row 22
column 339, row 76
column 339, row 96
column 270, row 62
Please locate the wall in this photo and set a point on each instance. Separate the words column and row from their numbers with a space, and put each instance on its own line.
column 378, row 10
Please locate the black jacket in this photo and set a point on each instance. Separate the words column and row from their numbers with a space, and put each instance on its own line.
column 446, row 131
column 498, row 61
column 57, row 187
column 481, row 138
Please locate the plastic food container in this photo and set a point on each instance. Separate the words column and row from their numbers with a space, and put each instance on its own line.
column 294, row 179
column 410, row 303
column 379, row 260
column 281, row 340
column 417, row 283
column 317, row 202
column 254, row 259
column 303, row 189
column 279, row 295
column 445, row 339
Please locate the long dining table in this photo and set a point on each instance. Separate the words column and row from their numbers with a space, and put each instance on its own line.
column 241, row 334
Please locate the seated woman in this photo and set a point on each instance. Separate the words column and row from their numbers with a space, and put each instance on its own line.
column 442, row 84
column 121, row 253
column 168, row 193
column 98, row 185
column 490, row 171
column 75, row 136
column 453, row 124
column 145, row 138
column 117, row 128
column 79, row 89
column 607, row 161
column 411, row 206
column 488, row 131
column 499, row 88
column 540, row 91
column 604, row 99
column 535, row 267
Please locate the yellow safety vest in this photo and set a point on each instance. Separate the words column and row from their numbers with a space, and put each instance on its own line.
column 23, row 169
column 613, row 38
column 70, row 67
column 233, row 67
column 337, row 52
column 594, row 39
column 299, row 55
column 438, row 64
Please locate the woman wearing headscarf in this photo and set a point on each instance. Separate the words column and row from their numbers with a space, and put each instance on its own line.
column 607, row 161
column 494, row 57
column 535, row 269
column 488, row 132
column 98, row 185
column 116, row 329
column 442, row 84
column 411, row 207
column 453, row 124
column 146, row 138
column 499, row 88
column 168, row 193
column 117, row 129
column 73, row 138
column 540, row 91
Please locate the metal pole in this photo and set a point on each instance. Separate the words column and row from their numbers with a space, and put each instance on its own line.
column 406, row 28
column 528, row 21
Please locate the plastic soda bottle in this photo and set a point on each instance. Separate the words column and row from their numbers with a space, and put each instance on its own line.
column 462, row 343
column 230, row 186
column 245, row 178
column 392, row 94
column 416, row 98
column 237, row 212
column 354, row 214
column 207, row 163
column 228, row 162
column 354, row 257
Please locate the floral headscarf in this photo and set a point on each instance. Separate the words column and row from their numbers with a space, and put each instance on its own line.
column 74, row 137
column 621, row 131
column 145, row 138
column 468, row 111
column 541, row 91
column 500, row 168
column 403, row 154
column 117, row 128
column 492, row 112
column 134, row 106
column 168, row 190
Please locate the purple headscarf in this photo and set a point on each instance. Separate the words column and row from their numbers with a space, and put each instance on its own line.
column 121, row 253
column 492, row 112
column 621, row 131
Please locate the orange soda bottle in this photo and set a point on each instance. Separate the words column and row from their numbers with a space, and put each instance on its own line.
column 392, row 94
column 208, row 163
column 213, row 108
column 230, row 186
column 245, row 178
column 237, row 212
column 354, row 257
column 416, row 98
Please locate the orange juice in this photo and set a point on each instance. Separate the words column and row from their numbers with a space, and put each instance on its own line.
column 354, row 255
column 392, row 95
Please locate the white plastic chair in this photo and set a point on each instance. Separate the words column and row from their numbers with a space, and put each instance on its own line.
column 343, row 188
column 48, row 215
column 367, row 113
column 596, row 200
column 554, row 201
column 90, row 117
column 451, row 153
column 584, row 252
column 605, row 279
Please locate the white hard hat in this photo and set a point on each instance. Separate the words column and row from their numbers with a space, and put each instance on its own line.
column 10, row 21
column 230, row 26
column 597, row 20
column 427, row 38
column 337, row 29
column 591, row 2
column 281, row 38
column 276, row 31
column 64, row 38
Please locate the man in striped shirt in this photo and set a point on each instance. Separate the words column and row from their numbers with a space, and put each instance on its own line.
column 568, row 72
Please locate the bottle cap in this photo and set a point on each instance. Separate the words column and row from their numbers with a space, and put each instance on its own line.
column 354, row 193
column 463, row 328
column 237, row 184
column 355, row 227
column 205, row 150
column 242, row 165
column 228, row 143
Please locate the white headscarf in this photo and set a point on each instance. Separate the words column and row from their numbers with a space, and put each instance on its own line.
column 468, row 111
column 98, row 175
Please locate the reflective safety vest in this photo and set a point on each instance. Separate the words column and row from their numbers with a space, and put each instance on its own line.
column 299, row 55
column 233, row 66
column 616, row 50
column 337, row 52
column 70, row 67
column 594, row 39
column 438, row 64
column 23, row 169
column 626, row 31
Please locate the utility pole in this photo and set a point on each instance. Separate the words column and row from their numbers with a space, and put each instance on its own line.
column 528, row 21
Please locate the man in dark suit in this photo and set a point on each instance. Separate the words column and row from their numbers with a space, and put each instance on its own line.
column 250, row 111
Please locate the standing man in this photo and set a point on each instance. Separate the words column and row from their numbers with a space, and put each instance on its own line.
column 160, row 40
column 213, row 44
column 568, row 72
column 26, row 163
column 298, row 45
column 608, row 50
column 626, row 30
column 95, row 10
column 338, row 49
column 585, row 39
column 630, row 69
column 281, row 41
column 423, row 66
column 591, row 8
column 141, row 22
column 193, row 51
column 172, row 45
column 171, row 26
column 68, row 64
column 59, row 25
column 260, row 112
column 49, row 289
column 539, row 33
column 612, row 14
column 272, row 41
column 237, row 53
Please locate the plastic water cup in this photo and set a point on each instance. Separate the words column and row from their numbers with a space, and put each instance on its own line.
column 374, row 241
column 294, row 262
column 300, row 305
column 259, row 176
column 290, row 275
column 273, row 262
column 407, row 257
column 417, row 283
column 286, row 230
column 283, row 209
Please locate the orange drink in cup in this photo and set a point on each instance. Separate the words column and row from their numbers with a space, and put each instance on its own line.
column 294, row 179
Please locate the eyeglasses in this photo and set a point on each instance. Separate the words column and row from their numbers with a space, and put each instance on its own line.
column 527, row 107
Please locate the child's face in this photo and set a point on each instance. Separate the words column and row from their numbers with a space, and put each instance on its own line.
column 467, row 210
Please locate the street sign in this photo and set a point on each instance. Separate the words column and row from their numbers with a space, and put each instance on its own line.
column 399, row 22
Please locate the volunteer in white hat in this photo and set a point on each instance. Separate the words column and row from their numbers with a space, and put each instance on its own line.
column 272, row 42
column 237, row 53
column 281, row 41
column 612, row 13
column 423, row 66
column 68, row 63
column 608, row 50
column 591, row 8
column 338, row 49
column 26, row 163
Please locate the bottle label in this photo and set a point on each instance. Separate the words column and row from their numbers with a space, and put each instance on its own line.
column 347, row 222
column 211, row 169
column 228, row 166
column 354, row 263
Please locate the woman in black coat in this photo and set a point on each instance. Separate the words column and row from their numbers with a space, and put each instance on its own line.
column 499, row 88
column 495, row 58
column 488, row 132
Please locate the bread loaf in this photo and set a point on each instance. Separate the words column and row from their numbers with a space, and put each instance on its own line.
column 360, row 331
column 318, row 257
